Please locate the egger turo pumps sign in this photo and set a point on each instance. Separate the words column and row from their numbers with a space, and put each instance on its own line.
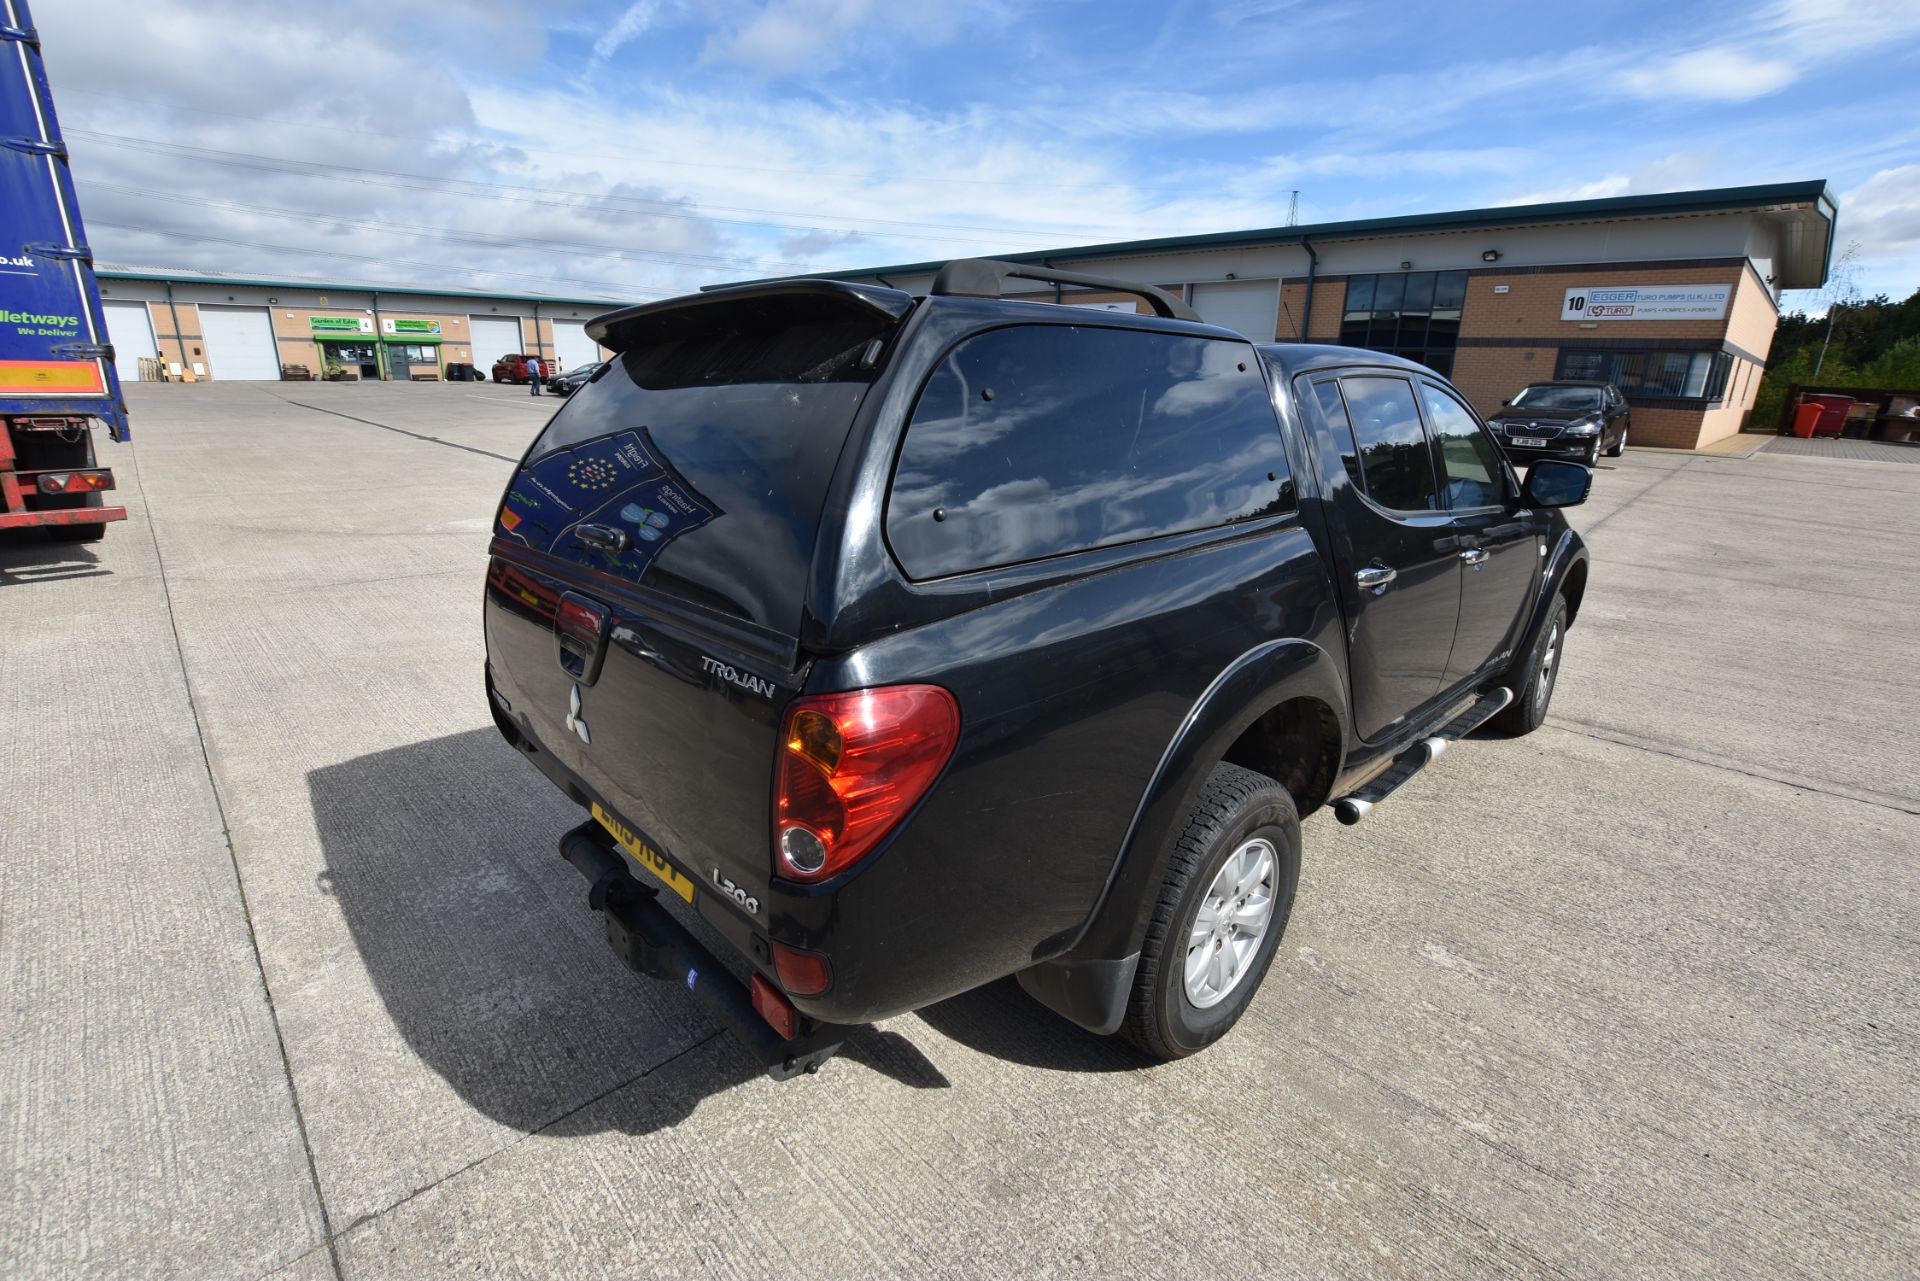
column 1646, row 302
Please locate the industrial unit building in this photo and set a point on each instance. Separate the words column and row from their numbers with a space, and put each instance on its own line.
column 203, row 326
column 1673, row 297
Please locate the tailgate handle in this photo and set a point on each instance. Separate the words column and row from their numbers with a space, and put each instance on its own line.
column 605, row 537
column 580, row 636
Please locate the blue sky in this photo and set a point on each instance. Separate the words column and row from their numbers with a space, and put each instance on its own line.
column 635, row 149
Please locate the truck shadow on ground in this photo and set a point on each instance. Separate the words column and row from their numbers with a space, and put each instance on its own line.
column 1002, row 1020
column 30, row 556
column 441, row 856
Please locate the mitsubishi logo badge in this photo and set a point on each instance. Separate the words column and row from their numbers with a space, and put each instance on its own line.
column 574, row 720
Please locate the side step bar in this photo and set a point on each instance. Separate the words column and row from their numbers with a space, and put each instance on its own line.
column 1356, row 805
column 651, row 942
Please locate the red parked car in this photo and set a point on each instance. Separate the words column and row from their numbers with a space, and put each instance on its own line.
column 513, row 368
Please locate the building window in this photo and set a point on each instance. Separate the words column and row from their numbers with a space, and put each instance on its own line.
column 1652, row 375
column 1414, row 314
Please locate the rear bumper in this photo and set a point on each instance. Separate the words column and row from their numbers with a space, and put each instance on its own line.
column 889, row 947
column 863, row 940
column 646, row 937
column 65, row 516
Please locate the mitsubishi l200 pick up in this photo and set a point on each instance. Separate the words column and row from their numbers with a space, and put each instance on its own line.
column 913, row 642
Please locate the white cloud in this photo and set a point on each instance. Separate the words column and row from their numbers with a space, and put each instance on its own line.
column 1681, row 171
column 785, row 37
column 1715, row 75
column 630, row 26
column 1883, row 213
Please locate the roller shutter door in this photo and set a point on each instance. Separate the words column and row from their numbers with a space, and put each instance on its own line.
column 130, row 330
column 493, row 337
column 571, row 346
column 1250, row 306
column 239, row 343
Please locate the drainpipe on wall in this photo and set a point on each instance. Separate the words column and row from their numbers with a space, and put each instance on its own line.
column 539, row 343
column 1313, row 269
column 179, row 339
column 379, row 341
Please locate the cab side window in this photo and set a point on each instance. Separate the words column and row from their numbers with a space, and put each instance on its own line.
column 1040, row 440
column 1394, row 457
column 1475, row 477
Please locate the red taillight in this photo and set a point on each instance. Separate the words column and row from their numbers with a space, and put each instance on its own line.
column 851, row 766
column 75, row 482
column 774, row 1008
column 801, row 972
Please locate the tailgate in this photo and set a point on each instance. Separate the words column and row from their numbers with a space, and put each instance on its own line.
column 652, row 552
column 676, row 734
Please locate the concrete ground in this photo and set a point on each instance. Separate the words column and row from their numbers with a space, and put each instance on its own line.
column 1883, row 451
column 296, row 986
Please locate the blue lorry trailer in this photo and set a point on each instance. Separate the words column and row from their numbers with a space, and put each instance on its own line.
column 57, row 375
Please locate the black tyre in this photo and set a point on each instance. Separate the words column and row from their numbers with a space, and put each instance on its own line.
column 1222, row 909
column 92, row 532
column 1537, row 677
column 1620, row 445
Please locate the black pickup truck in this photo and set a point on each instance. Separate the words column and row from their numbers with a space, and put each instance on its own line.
column 913, row 642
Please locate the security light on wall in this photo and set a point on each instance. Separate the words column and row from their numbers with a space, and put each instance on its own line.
column 1406, row 266
column 1490, row 255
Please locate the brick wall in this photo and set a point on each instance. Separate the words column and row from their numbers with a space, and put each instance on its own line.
column 1329, row 296
column 1531, row 306
column 171, row 342
column 1530, row 309
column 1489, row 375
column 1752, row 319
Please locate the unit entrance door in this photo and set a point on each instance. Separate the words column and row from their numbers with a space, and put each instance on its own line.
column 354, row 355
column 408, row 358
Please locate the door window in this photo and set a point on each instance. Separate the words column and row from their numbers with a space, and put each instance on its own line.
column 1471, row 459
column 1038, row 440
column 1395, row 462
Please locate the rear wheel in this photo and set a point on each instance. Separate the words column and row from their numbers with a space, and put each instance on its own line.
column 1620, row 445
column 1222, row 909
column 1535, row 691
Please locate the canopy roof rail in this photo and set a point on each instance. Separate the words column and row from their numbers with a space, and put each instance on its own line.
column 984, row 278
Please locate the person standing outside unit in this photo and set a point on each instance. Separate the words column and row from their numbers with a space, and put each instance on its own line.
column 534, row 372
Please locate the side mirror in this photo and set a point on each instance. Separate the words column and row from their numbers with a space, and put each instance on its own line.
column 1508, row 401
column 1552, row 483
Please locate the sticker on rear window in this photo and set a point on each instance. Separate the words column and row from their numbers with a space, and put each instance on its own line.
column 617, row 484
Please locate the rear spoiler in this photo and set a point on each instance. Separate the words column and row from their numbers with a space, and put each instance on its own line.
column 621, row 330
column 986, row 277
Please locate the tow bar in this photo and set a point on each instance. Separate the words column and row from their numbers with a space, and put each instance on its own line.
column 651, row 942
column 1356, row 805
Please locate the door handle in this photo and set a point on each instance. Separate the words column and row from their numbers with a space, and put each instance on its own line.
column 1375, row 578
column 605, row 537
column 1474, row 556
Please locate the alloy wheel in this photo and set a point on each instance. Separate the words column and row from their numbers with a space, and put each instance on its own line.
column 1232, row 921
column 1543, row 685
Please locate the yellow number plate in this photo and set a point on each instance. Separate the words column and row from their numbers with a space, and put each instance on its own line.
column 645, row 855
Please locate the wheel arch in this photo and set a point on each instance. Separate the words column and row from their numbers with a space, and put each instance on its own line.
column 1573, row 587
column 1278, row 698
